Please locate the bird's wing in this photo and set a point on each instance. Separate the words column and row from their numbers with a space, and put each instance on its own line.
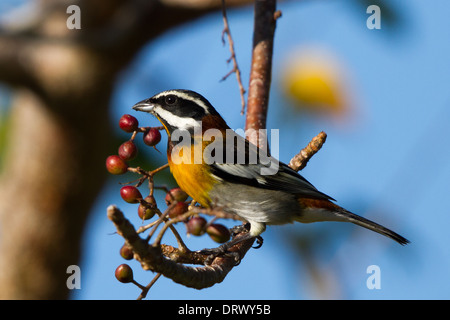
column 260, row 170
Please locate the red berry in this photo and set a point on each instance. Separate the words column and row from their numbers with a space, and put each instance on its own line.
column 128, row 151
column 130, row 194
column 152, row 137
column 146, row 212
column 126, row 252
column 178, row 209
column 218, row 232
column 128, row 123
column 116, row 165
column 124, row 273
column 196, row 226
column 176, row 194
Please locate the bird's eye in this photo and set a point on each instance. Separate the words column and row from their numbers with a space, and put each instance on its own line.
column 171, row 99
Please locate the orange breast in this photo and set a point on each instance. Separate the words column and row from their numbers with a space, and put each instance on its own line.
column 190, row 172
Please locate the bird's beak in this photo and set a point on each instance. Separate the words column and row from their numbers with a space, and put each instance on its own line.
column 144, row 106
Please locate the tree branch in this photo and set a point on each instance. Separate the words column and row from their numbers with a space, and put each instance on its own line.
column 236, row 70
column 299, row 161
column 261, row 69
column 152, row 257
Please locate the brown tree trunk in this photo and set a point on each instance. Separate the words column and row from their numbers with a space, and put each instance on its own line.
column 50, row 177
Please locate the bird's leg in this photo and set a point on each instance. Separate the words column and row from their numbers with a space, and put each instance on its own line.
column 222, row 250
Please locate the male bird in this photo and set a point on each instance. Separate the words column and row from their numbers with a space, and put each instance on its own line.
column 261, row 197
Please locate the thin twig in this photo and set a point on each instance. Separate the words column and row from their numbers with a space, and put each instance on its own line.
column 144, row 129
column 145, row 175
column 227, row 31
column 160, row 220
column 153, row 172
column 147, row 288
column 146, row 227
column 168, row 224
column 163, row 218
column 164, row 188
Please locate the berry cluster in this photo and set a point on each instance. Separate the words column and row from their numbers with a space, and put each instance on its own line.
column 176, row 199
column 117, row 164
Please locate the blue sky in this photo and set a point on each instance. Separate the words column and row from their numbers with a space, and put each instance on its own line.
column 390, row 163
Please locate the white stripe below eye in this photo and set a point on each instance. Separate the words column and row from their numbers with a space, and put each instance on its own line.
column 176, row 121
column 184, row 96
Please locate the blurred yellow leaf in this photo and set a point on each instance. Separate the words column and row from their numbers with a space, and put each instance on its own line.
column 315, row 81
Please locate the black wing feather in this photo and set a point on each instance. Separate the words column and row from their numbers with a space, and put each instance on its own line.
column 249, row 172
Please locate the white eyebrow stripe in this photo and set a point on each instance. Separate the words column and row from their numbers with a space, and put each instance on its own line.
column 176, row 121
column 184, row 96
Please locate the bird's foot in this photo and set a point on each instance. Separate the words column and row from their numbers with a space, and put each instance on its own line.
column 221, row 251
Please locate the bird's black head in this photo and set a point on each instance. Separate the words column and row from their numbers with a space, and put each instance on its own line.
column 178, row 109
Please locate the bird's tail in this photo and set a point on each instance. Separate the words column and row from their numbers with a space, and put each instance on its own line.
column 324, row 210
column 368, row 224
